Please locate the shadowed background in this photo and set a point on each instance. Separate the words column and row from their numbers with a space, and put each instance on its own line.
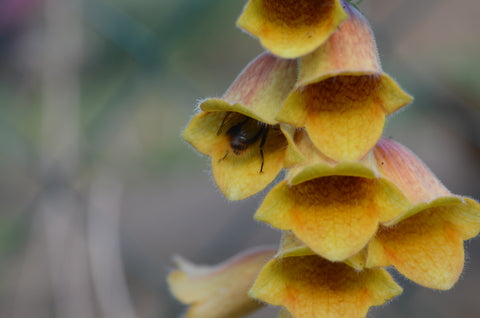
column 98, row 190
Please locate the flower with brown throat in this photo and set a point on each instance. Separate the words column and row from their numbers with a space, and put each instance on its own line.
column 292, row 28
column 342, row 95
column 239, row 131
column 307, row 285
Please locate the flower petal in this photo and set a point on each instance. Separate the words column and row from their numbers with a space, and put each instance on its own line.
column 408, row 172
column 202, row 130
column 259, row 90
column 238, row 174
column 241, row 176
column 335, row 216
column 343, row 115
column 412, row 177
column 428, row 247
column 358, row 260
column 305, row 162
column 310, row 286
column 465, row 217
column 424, row 248
column 351, row 50
column 291, row 28
column 343, row 126
column 290, row 246
column 219, row 291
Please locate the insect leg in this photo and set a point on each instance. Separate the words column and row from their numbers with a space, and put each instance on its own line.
column 262, row 143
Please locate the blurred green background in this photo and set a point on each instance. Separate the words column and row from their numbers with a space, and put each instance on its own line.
column 98, row 190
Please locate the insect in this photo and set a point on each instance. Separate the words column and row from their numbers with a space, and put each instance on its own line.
column 244, row 134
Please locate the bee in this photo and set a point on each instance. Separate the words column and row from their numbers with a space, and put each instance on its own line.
column 244, row 134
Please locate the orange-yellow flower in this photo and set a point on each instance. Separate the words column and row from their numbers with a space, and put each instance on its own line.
column 428, row 247
column 426, row 243
column 342, row 95
column 310, row 286
column 239, row 132
column 292, row 28
column 335, row 216
column 334, row 208
column 219, row 291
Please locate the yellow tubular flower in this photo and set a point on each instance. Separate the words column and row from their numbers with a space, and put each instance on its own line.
column 334, row 208
column 335, row 216
column 292, row 28
column 426, row 243
column 310, row 286
column 328, row 300
column 427, row 248
column 342, row 95
column 219, row 291
column 239, row 131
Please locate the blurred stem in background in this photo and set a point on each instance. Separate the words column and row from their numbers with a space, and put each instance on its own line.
column 60, row 62
column 105, row 255
column 69, row 244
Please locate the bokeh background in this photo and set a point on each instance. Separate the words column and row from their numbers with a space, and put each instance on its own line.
column 98, row 190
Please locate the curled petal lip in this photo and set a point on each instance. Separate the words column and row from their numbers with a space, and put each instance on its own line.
column 428, row 246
